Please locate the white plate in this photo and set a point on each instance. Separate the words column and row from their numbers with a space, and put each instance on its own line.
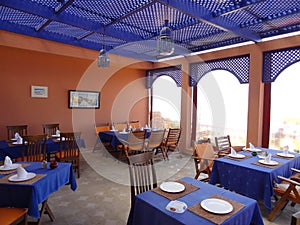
column 238, row 156
column 16, row 143
column 55, row 135
column 15, row 178
column 217, row 206
column 252, row 150
column 123, row 132
column 13, row 166
column 13, row 139
column 114, row 130
column 271, row 163
column 285, row 155
column 172, row 187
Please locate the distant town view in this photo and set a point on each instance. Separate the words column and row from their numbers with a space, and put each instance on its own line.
column 223, row 108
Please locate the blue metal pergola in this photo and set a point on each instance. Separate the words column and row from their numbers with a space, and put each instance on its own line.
column 131, row 27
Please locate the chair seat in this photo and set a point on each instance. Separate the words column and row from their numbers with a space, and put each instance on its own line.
column 12, row 216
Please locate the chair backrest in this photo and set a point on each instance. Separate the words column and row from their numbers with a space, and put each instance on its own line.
column 223, row 143
column 136, row 140
column 69, row 143
column 135, row 124
column 205, row 151
column 173, row 137
column 120, row 126
column 50, row 129
column 101, row 128
column 142, row 173
column 34, row 148
column 155, row 140
column 11, row 130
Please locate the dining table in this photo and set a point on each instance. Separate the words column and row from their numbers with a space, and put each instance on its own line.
column 34, row 190
column 115, row 137
column 251, row 175
column 150, row 208
column 14, row 150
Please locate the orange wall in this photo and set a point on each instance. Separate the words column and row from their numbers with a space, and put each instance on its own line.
column 22, row 68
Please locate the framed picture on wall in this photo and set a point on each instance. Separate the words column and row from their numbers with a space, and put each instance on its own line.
column 39, row 92
column 84, row 99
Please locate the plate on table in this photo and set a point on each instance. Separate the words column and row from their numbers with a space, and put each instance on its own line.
column 285, row 155
column 172, row 187
column 12, row 167
column 16, row 143
column 123, row 132
column 114, row 130
column 15, row 178
column 271, row 163
column 13, row 139
column 215, row 205
column 55, row 135
column 238, row 156
column 252, row 149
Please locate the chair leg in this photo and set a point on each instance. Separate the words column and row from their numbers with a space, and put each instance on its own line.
column 45, row 209
column 279, row 205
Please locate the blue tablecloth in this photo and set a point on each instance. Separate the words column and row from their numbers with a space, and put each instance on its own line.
column 149, row 208
column 252, row 180
column 114, row 137
column 16, row 194
column 15, row 151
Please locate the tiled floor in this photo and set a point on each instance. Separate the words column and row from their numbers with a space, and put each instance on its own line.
column 103, row 194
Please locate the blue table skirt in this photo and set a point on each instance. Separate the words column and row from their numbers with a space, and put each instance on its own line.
column 31, row 195
column 15, row 151
column 149, row 208
column 251, row 180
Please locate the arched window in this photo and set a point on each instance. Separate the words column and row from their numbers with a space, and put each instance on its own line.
column 166, row 103
column 222, row 107
column 285, row 110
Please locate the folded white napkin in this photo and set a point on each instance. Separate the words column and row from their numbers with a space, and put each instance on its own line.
column 17, row 135
column 57, row 132
column 286, row 150
column 232, row 151
column 124, row 130
column 176, row 206
column 21, row 172
column 268, row 158
column 146, row 126
column 19, row 140
column 142, row 128
column 251, row 145
column 113, row 128
column 7, row 162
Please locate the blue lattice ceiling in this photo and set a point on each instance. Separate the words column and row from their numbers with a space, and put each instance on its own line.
column 131, row 27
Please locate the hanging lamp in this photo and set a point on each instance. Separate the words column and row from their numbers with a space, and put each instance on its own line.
column 103, row 58
column 165, row 45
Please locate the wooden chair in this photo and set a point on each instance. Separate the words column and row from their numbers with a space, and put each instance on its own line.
column 13, row 216
column 142, row 173
column 135, row 142
column 135, row 124
column 171, row 141
column 69, row 150
column 203, row 156
column 154, row 142
column 223, row 145
column 11, row 130
column 287, row 190
column 50, row 129
column 120, row 126
column 34, row 148
column 99, row 144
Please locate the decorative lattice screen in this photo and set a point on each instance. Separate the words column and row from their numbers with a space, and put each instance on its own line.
column 238, row 66
column 276, row 61
column 173, row 71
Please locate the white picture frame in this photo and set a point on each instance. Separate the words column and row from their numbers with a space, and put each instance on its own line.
column 39, row 92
